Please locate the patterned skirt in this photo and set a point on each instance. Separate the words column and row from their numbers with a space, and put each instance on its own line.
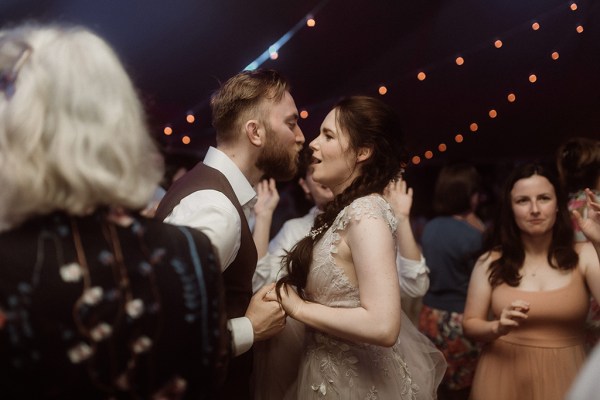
column 445, row 330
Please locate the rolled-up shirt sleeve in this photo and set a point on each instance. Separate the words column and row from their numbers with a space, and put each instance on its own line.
column 414, row 276
column 211, row 212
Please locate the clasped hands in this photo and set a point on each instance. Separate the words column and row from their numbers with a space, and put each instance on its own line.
column 288, row 299
column 267, row 313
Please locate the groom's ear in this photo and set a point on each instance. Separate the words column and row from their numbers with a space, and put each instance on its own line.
column 254, row 132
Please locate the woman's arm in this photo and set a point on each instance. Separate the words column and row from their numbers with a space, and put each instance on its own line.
column 589, row 265
column 412, row 271
column 377, row 319
column 479, row 298
column 267, row 200
column 400, row 197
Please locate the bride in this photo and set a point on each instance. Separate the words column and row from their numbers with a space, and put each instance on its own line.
column 342, row 282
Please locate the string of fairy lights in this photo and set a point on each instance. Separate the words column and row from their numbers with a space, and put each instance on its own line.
column 309, row 21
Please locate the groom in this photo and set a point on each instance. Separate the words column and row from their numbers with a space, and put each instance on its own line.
column 256, row 122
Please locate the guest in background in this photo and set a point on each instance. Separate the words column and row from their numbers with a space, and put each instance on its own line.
column 95, row 302
column 536, row 282
column 578, row 163
column 269, row 265
column 451, row 243
column 272, row 378
column 587, row 384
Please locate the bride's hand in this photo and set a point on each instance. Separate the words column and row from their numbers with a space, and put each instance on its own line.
column 289, row 300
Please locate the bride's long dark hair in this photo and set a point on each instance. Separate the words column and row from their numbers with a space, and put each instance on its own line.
column 369, row 123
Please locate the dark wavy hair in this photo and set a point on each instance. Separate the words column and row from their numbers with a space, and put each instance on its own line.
column 455, row 186
column 578, row 162
column 505, row 235
column 370, row 123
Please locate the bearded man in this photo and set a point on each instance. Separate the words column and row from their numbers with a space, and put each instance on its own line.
column 256, row 122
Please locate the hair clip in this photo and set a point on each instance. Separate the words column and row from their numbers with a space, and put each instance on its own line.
column 13, row 55
column 317, row 231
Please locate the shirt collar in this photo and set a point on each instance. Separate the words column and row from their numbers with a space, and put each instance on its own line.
column 218, row 160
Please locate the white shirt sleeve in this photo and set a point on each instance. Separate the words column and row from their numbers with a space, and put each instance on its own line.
column 211, row 212
column 269, row 268
column 414, row 276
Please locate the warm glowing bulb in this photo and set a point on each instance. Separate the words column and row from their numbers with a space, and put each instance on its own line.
column 535, row 26
column 303, row 114
column 421, row 76
column 460, row 61
column 555, row 55
column 190, row 118
column 473, row 127
column 458, row 138
column 382, row 90
column 493, row 113
column 168, row 130
column 573, row 6
column 311, row 22
column 511, row 97
column 442, row 147
column 416, row 160
column 429, row 154
column 186, row 140
column 274, row 55
column 498, row 44
column 532, row 78
column 579, row 29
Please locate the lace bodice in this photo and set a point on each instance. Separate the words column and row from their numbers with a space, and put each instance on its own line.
column 339, row 369
column 327, row 283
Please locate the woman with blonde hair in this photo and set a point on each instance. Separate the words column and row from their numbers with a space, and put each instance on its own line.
column 95, row 301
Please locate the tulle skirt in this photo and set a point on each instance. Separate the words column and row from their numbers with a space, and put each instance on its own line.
column 305, row 364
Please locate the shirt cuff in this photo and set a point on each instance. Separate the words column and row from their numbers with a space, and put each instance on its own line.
column 242, row 335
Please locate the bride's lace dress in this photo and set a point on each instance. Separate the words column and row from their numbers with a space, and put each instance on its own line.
column 334, row 368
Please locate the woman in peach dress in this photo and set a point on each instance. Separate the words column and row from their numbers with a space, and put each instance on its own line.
column 536, row 283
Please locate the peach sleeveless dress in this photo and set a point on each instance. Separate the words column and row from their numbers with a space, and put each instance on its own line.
column 540, row 359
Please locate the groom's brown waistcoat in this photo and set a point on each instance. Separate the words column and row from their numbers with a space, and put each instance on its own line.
column 237, row 277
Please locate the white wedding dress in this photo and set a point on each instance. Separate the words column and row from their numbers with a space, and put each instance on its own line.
column 302, row 363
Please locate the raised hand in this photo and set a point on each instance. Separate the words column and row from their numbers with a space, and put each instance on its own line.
column 267, row 197
column 590, row 226
column 400, row 197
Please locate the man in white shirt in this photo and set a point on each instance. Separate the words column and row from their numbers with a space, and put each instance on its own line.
column 256, row 121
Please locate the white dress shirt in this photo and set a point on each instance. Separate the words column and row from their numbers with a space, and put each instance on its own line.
column 414, row 278
column 212, row 212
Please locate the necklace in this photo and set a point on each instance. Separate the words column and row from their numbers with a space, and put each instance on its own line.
column 533, row 273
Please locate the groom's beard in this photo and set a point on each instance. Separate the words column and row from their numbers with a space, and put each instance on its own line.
column 276, row 161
